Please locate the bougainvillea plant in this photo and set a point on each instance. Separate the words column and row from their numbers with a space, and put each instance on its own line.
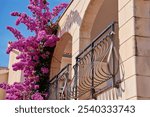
column 35, row 51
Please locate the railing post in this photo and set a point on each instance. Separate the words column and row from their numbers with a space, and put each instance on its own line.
column 76, row 78
column 67, row 78
column 56, row 89
column 113, row 55
column 92, row 72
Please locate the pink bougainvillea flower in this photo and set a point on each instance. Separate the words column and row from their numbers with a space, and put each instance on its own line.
column 44, row 70
column 37, row 96
column 35, row 52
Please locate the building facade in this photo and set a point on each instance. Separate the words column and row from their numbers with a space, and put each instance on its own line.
column 108, row 46
column 9, row 76
column 103, row 53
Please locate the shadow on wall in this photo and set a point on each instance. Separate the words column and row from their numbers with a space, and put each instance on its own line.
column 72, row 18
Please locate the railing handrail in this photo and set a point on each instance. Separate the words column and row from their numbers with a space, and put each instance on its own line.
column 96, row 38
column 55, row 77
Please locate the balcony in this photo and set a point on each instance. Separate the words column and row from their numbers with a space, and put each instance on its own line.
column 96, row 70
column 60, row 85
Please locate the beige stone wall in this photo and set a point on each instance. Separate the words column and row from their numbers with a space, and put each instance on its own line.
column 134, row 35
column 3, row 78
column 14, row 76
column 142, row 42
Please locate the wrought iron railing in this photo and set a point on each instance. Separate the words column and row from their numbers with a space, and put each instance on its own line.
column 60, row 85
column 97, row 65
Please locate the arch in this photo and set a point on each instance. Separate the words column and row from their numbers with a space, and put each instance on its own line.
column 88, row 21
column 107, row 14
column 99, row 15
column 63, row 45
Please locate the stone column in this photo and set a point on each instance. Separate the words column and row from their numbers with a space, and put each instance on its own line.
column 134, row 40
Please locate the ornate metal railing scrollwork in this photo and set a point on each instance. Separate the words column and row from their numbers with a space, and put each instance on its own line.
column 60, row 85
column 96, row 64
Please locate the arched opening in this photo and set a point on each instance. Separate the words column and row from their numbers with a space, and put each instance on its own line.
column 62, row 54
column 88, row 21
column 61, row 58
column 98, row 16
column 107, row 13
column 67, row 55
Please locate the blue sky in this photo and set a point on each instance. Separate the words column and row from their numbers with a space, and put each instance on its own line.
column 6, row 7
